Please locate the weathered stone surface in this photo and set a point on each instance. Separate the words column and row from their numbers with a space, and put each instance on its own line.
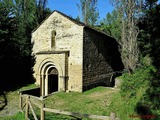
column 96, row 67
column 80, row 54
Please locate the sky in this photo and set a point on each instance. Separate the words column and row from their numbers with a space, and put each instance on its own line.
column 69, row 7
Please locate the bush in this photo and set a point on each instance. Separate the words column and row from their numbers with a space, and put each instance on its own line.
column 139, row 95
column 131, row 84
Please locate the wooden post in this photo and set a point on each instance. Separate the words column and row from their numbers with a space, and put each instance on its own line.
column 42, row 111
column 33, row 113
column 27, row 108
column 20, row 101
column 112, row 116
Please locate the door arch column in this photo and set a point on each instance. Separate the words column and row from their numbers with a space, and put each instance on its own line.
column 44, row 79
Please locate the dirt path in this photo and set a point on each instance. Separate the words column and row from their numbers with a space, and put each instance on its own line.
column 9, row 104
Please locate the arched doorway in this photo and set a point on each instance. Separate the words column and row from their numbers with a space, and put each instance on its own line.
column 52, row 80
column 51, row 77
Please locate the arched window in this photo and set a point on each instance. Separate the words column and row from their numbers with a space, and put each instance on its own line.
column 53, row 35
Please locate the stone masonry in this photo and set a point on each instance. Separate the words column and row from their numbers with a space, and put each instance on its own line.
column 79, row 53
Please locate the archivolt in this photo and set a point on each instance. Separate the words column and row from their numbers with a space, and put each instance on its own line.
column 46, row 64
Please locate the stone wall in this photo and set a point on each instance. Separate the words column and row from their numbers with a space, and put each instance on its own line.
column 91, row 56
column 69, row 37
column 100, row 57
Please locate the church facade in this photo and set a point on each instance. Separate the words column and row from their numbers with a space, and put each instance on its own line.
column 70, row 56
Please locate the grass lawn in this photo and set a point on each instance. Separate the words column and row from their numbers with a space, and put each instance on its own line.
column 17, row 116
column 95, row 101
column 128, row 102
column 10, row 110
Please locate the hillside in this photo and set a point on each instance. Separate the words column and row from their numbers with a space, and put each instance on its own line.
column 137, row 98
column 95, row 101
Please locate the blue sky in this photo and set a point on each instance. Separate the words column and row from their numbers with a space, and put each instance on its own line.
column 69, row 7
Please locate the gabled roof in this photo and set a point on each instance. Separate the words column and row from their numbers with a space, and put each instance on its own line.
column 73, row 20
column 69, row 18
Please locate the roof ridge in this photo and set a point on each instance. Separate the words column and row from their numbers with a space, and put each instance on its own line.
column 73, row 20
column 68, row 17
column 81, row 23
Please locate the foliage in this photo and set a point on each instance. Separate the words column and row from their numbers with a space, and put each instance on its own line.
column 6, row 26
column 132, row 83
column 149, row 41
column 129, row 11
column 149, row 38
column 18, row 19
column 111, row 25
column 145, row 60
column 89, row 11
column 139, row 94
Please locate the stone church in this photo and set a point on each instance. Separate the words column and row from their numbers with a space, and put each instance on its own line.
column 71, row 56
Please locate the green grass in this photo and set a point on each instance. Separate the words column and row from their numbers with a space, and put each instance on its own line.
column 122, row 107
column 12, row 102
column 134, row 97
column 131, row 99
column 29, row 86
column 18, row 116
column 94, row 101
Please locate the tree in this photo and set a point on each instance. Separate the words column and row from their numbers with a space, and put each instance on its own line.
column 26, row 18
column 17, row 20
column 111, row 24
column 149, row 43
column 130, row 11
column 89, row 11
column 28, row 14
column 149, row 38
column 41, row 10
column 7, row 26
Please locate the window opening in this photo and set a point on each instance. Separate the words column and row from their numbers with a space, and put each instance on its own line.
column 53, row 34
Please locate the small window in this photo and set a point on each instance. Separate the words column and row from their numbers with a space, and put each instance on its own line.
column 53, row 35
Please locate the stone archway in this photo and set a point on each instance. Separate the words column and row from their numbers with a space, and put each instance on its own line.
column 51, row 78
